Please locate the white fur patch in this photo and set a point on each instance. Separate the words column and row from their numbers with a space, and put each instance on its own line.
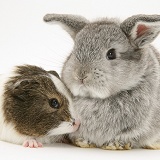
column 63, row 90
column 63, row 128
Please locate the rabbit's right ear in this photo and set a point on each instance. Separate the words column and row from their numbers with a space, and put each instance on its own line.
column 71, row 23
column 141, row 29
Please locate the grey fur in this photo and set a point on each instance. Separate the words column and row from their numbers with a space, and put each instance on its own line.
column 117, row 100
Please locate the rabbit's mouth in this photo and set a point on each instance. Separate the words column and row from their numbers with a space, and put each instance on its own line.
column 84, row 90
column 80, row 90
column 82, row 78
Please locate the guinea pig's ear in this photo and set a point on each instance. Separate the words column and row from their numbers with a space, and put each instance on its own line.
column 25, row 84
column 141, row 29
column 20, row 89
column 71, row 23
column 54, row 73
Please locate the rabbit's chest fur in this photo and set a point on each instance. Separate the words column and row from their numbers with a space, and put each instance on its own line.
column 128, row 117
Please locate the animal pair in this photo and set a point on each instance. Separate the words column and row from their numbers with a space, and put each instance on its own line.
column 113, row 74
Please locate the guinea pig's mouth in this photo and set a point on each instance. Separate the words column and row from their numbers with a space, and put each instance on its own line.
column 65, row 127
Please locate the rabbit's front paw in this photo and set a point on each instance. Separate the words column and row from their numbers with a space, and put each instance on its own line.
column 155, row 146
column 80, row 142
column 117, row 146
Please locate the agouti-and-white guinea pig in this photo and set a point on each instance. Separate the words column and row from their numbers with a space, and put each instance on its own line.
column 35, row 107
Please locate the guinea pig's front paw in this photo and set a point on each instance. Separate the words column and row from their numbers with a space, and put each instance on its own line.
column 32, row 143
column 117, row 146
column 80, row 142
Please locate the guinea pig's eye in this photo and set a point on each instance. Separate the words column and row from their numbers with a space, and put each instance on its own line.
column 111, row 54
column 54, row 103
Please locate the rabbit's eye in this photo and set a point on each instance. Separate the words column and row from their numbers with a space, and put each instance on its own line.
column 54, row 103
column 111, row 54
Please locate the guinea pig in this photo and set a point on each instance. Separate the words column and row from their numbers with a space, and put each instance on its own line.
column 35, row 107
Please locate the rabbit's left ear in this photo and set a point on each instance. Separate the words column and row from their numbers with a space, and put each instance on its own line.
column 141, row 29
column 71, row 23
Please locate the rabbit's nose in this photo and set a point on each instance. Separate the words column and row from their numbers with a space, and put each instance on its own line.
column 81, row 75
column 81, row 79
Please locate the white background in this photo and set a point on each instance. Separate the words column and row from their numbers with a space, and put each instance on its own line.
column 25, row 38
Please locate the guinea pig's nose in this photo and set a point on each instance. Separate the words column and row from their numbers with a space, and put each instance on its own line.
column 75, row 122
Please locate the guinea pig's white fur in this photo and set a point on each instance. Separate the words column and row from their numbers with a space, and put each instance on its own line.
column 7, row 130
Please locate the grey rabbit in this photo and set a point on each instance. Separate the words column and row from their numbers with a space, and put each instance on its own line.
column 114, row 74
column 35, row 107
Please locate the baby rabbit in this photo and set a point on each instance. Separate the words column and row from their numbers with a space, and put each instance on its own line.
column 114, row 75
column 35, row 107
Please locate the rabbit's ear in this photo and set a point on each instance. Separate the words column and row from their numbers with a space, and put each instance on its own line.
column 71, row 23
column 141, row 29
